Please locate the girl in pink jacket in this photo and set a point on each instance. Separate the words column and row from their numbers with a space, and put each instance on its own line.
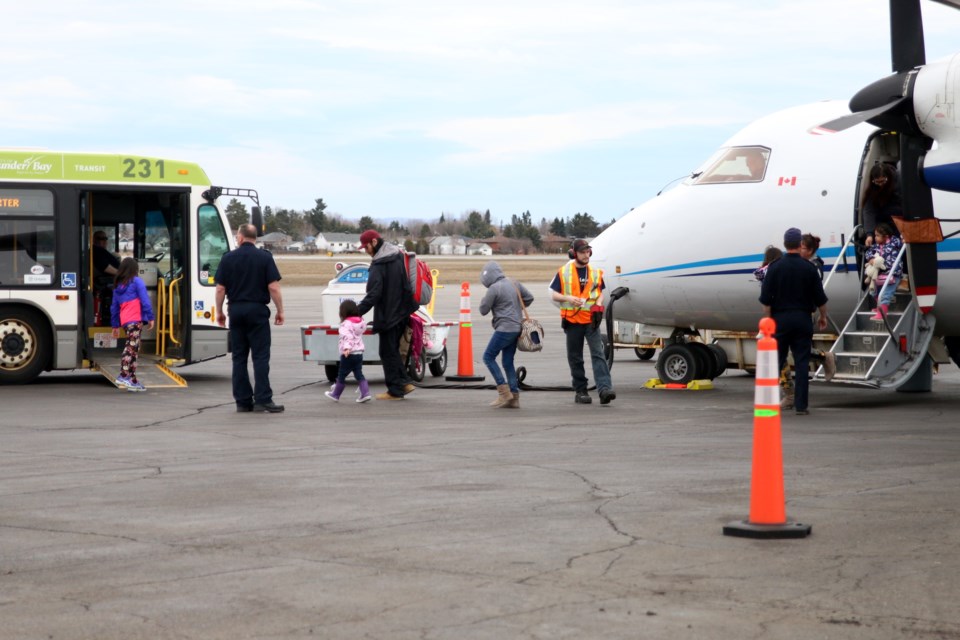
column 351, row 331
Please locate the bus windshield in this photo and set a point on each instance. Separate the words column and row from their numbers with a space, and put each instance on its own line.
column 213, row 242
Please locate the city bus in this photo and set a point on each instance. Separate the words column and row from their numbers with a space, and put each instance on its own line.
column 54, row 302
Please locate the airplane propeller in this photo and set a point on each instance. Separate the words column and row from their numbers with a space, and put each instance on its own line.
column 911, row 102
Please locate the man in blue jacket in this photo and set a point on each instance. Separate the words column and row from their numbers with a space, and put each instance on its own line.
column 390, row 296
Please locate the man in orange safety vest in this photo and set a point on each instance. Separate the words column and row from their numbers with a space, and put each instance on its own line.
column 578, row 288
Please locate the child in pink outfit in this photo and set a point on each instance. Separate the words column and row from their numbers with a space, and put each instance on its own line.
column 351, row 331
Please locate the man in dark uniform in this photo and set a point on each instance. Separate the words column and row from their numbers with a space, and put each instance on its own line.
column 390, row 295
column 105, row 266
column 790, row 293
column 249, row 277
column 104, row 262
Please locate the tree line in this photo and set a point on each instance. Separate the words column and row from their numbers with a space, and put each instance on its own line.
column 472, row 224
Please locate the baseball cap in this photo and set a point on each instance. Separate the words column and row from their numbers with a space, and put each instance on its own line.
column 581, row 245
column 367, row 237
column 792, row 235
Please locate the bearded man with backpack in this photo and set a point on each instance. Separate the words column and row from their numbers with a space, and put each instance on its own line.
column 390, row 296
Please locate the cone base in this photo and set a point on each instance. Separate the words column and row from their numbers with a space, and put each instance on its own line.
column 744, row 529
column 464, row 378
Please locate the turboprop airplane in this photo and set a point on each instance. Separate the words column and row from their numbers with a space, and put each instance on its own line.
column 808, row 167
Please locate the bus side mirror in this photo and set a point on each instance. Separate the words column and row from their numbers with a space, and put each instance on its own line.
column 256, row 219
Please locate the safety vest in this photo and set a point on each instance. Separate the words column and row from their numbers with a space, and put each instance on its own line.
column 570, row 285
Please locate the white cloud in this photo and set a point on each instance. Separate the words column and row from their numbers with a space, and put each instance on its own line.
column 360, row 98
column 493, row 139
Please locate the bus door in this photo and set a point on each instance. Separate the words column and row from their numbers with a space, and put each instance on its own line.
column 163, row 249
column 150, row 226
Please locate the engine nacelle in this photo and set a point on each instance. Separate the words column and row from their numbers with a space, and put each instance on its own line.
column 935, row 106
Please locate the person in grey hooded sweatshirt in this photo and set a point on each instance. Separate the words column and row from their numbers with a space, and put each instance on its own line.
column 503, row 299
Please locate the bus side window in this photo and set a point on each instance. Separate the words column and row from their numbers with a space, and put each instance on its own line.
column 27, row 255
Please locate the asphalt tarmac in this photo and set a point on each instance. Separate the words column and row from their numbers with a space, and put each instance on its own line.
column 165, row 514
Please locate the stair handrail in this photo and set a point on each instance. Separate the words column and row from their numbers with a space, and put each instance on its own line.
column 836, row 263
column 174, row 288
column 842, row 254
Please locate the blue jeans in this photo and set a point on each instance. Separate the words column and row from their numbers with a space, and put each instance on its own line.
column 888, row 293
column 352, row 363
column 576, row 334
column 505, row 343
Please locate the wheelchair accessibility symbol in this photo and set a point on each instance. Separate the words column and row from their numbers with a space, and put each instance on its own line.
column 198, row 305
column 68, row 280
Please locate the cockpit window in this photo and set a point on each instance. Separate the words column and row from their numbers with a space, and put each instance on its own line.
column 737, row 164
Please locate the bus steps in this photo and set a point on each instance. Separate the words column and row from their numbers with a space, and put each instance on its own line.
column 151, row 372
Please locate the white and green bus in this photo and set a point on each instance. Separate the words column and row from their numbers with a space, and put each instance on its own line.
column 54, row 305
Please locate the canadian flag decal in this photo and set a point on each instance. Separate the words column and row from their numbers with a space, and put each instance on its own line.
column 787, row 182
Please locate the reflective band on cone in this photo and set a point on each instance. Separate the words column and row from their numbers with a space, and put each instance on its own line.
column 465, row 342
column 768, row 516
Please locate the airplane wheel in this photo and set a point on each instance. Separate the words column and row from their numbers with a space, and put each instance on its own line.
column 644, row 354
column 720, row 358
column 331, row 370
column 25, row 345
column 438, row 366
column 706, row 365
column 676, row 364
column 419, row 370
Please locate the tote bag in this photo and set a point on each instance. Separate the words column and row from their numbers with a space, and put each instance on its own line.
column 531, row 331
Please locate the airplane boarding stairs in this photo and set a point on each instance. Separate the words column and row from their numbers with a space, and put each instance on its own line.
column 882, row 353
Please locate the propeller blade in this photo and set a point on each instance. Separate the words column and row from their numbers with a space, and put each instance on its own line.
column 845, row 122
column 906, row 35
column 950, row 3
column 917, row 205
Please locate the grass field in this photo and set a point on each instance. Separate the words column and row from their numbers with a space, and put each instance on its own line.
column 315, row 270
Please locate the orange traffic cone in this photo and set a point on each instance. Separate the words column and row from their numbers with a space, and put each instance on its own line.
column 768, row 516
column 465, row 343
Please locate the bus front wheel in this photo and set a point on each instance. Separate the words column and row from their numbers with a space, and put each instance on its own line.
column 24, row 345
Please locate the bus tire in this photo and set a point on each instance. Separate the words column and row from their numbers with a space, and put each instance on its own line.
column 25, row 345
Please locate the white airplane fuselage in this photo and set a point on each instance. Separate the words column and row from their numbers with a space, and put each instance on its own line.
column 688, row 255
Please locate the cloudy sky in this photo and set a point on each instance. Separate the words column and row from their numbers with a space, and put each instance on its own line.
column 408, row 109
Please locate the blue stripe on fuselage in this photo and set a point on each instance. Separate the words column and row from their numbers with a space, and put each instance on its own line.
column 756, row 258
